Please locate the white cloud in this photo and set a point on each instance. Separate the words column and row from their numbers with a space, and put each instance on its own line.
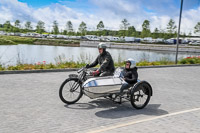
column 111, row 12
column 159, row 22
column 12, row 10
column 189, row 20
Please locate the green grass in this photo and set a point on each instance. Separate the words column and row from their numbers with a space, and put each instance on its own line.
column 72, row 64
column 6, row 42
column 56, row 42
column 11, row 40
column 16, row 40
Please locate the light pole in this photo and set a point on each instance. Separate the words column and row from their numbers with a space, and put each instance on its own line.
column 177, row 41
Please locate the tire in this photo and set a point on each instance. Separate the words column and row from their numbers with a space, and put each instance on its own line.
column 140, row 95
column 70, row 91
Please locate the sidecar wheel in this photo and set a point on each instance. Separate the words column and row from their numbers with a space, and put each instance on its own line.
column 140, row 94
column 70, row 91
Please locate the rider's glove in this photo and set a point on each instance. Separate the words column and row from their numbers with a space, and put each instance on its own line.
column 95, row 73
column 87, row 66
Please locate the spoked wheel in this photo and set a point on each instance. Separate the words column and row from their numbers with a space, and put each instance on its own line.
column 70, row 91
column 140, row 95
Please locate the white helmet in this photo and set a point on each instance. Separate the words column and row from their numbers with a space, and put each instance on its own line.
column 102, row 45
column 132, row 62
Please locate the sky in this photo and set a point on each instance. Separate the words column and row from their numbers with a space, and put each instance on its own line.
column 111, row 12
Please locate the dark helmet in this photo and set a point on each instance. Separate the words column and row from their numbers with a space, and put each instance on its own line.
column 132, row 63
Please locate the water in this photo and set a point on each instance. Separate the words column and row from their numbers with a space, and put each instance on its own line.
column 31, row 54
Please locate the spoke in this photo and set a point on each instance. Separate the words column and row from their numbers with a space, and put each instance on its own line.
column 71, row 90
column 76, row 87
column 76, row 92
column 70, row 85
column 140, row 97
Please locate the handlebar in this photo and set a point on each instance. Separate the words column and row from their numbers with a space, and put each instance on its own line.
column 80, row 70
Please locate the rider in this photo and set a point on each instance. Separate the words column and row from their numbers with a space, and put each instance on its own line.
column 104, row 59
column 130, row 76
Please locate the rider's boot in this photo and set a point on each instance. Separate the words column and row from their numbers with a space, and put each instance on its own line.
column 110, row 96
column 118, row 98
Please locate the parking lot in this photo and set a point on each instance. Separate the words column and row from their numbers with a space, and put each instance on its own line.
column 30, row 103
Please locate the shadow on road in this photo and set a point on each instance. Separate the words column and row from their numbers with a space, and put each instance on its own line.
column 114, row 111
column 127, row 111
column 97, row 103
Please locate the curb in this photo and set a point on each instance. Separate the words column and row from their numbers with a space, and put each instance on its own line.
column 75, row 69
column 38, row 71
column 163, row 66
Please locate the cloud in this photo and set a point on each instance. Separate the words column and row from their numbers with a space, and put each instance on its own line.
column 13, row 10
column 57, row 12
column 111, row 12
column 190, row 19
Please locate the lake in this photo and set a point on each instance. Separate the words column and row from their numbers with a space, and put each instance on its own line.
column 31, row 54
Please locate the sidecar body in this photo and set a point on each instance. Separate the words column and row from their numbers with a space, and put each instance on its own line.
column 102, row 86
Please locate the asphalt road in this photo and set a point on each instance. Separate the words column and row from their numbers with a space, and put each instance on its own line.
column 30, row 103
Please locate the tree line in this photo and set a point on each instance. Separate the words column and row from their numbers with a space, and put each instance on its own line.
column 125, row 29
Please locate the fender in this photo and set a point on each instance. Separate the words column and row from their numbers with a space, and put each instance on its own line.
column 140, row 82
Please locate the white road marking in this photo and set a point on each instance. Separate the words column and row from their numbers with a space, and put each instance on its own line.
column 140, row 121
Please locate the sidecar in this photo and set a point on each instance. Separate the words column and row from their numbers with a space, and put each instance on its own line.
column 139, row 95
column 101, row 86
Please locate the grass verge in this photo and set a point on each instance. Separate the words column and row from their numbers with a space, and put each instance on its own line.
column 12, row 40
column 72, row 64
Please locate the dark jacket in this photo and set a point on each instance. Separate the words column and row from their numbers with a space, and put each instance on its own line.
column 131, row 75
column 105, row 61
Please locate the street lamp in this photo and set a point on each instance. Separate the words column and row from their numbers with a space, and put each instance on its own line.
column 177, row 42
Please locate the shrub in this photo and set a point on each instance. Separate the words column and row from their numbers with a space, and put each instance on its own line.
column 2, row 68
column 143, row 63
column 190, row 60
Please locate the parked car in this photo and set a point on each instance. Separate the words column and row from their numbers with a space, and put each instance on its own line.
column 129, row 39
column 170, row 41
column 195, row 43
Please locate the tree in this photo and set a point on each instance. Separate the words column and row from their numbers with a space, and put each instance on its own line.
column 155, row 33
column 40, row 27
column 146, row 25
column 190, row 33
column 171, row 27
column 82, row 28
column 131, row 31
column 17, row 24
column 100, row 26
column 55, row 28
column 197, row 28
column 146, row 29
column 69, row 26
column 28, row 26
column 156, row 30
column 7, row 26
column 124, row 25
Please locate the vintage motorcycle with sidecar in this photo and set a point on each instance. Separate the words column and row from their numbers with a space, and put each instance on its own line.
column 73, row 88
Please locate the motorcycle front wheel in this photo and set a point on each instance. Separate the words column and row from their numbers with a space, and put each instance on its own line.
column 70, row 91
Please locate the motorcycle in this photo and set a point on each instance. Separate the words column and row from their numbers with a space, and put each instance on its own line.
column 77, row 85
